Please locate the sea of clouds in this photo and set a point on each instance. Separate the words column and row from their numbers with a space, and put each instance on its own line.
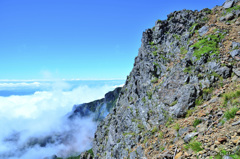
column 33, row 117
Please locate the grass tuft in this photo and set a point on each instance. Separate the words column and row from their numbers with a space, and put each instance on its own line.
column 231, row 113
column 196, row 146
column 196, row 122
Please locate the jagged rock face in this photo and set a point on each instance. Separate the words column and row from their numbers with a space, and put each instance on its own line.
column 172, row 71
column 100, row 108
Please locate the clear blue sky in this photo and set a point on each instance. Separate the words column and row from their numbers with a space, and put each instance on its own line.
column 95, row 39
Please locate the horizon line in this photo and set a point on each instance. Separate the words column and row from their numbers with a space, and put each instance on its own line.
column 63, row 79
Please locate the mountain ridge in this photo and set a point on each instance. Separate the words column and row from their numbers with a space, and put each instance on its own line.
column 181, row 99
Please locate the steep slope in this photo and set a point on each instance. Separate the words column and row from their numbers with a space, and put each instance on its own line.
column 98, row 108
column 184, row 65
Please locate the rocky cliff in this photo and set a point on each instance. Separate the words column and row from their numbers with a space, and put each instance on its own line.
column 98, row 108
column 181, row 99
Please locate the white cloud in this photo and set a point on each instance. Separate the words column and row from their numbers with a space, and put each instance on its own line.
column 19, row 84
column 42, row 114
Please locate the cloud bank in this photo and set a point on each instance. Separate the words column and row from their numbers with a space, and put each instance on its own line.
column 36, row 126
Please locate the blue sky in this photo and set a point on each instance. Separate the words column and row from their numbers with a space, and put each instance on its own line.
column 95, row 39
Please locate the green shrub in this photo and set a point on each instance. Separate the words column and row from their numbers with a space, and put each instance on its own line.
column 129, row 133
column 144, row 100
column 229, row 10
column 154, row 130
column 150, row 112
column 194, row 25
column 231, row 113
column 149, row 94
column 205, row 19
column 155, row 80
column 154, row 53
column 140, row 126
column 183, row 50
column 234, row 155
column 176, row 36
column 191, row 28
column 176, row 127
column 208, row 44
column 91, row 152
column 208, row 11
column 236, row 102
column 169, row 121
column 189, row 112
column 160, row 134
column 222, row 121
column 188, row 70
column 162, row 148
column 196, row 146
column 145, row 140
column 207, row 91
column 173, row 103
column 196, row 122
column 199, row 101
column 230, row 96
column 151, row 43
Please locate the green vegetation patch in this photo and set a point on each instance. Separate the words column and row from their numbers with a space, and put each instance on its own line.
column 183, row 50
column 195, row 145
column 199, row 101
column 207, row 91
column 154, row 53
column 145, row 140
column 190, row 112
column 149, row 94
column 169, row 121
column 230, row 96
column 208, row 11
column 141, row 126
column 176, row 126
column 173, row 103
column 129, row 133
column 90, row 152
column 160, row 135
column 234, row 155
column 176, row 36
column 154, row 130
column 191, row 29
column 196, row 122
column 155, row 80
column 205, row 19
column 208, row 44
column 151, row 43
column 231, row 113
column 229, row 10
column 188, row 70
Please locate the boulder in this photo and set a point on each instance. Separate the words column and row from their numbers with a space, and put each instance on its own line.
column 228, row 4
column 203, row 30
column 235, row 54
column 235, row 45
column 237, row 71
column 229, row 16
column 189, row 136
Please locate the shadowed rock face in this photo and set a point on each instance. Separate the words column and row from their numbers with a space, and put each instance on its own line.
column 174, row 69
column 98, row 108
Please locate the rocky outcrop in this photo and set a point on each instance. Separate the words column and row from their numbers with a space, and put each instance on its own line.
column 181, row 62
column 98, row 108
